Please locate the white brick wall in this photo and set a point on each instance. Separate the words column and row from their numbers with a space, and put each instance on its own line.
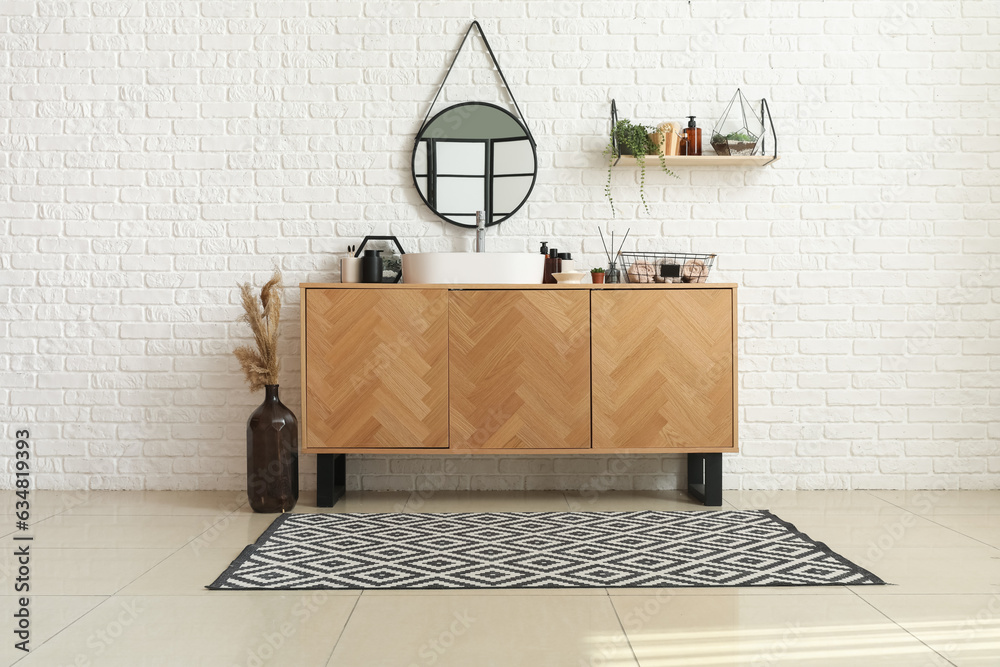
column 155, row 153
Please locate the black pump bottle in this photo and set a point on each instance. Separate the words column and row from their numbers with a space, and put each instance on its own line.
column 371, row 267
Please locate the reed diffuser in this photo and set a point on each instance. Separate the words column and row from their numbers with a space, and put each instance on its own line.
column 613, row 274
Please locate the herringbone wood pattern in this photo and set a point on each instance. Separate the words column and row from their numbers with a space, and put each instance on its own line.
column 520, row 369
column 376, row 368
column 663, row 369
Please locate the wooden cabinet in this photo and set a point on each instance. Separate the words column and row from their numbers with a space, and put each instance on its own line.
column 374, row 368
column 664, row 369
column 519, row 369
column 480, row 369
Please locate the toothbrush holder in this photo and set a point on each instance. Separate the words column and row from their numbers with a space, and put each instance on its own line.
column 350, row 270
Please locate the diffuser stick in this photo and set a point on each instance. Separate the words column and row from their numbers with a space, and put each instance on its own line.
column 623, row 241
column 605, row 245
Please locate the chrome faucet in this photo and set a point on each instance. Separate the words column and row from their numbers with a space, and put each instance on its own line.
column 480, row 232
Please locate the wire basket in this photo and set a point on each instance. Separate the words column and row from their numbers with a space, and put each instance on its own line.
column 665, row 267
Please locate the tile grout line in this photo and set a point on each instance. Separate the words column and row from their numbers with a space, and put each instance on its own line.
column 107, row 598
column 898, row 625
column 347, row 620
column 628, row 640
column 868, row 492
column 958, row 532
column 113, row 595
column 889, row 502
column 174, row 552
column 936, row 523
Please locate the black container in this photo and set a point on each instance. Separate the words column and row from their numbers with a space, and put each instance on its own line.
column 371, row 267
column 272, row 456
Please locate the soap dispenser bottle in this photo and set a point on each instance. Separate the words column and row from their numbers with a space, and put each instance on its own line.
column 546, row 274
column 371, row 267
column 551, row 266
column 692, row 138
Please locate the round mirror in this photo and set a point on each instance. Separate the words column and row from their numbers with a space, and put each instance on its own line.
column 474, row 156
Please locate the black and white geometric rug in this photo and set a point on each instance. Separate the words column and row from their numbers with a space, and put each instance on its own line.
column 536, row 550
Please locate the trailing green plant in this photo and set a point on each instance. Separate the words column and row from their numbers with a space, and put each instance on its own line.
column 597, row 270
column 636, row 139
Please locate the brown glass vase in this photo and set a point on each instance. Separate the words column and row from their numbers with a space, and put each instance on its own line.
column 272, row 455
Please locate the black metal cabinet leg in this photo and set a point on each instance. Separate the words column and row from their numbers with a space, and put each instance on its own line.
column 331, row 478
column 713, row 480
column 705, row 478
column 696, row 469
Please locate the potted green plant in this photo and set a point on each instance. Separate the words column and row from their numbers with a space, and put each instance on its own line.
column 597, row 275
column 628, row 138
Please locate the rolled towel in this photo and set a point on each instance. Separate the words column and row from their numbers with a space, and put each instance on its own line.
column 641, row 272
column 694, row 271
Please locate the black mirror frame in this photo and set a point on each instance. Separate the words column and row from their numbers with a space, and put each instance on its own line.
column 534, row 157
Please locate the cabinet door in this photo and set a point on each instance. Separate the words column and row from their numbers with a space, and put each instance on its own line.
column 519, row 369
column 663, row 369
column 376, row 369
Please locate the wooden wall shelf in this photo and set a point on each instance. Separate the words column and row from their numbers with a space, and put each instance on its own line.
column 705, row 160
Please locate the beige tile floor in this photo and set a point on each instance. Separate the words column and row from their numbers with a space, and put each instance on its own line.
column 118, row 579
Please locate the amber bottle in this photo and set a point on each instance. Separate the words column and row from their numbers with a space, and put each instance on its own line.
column 692, row 138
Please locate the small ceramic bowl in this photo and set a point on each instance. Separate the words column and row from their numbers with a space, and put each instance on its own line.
column 569, row 276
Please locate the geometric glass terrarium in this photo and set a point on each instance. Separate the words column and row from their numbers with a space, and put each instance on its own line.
column 739, row 130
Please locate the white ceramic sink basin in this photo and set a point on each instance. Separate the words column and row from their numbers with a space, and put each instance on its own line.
column 451, row 268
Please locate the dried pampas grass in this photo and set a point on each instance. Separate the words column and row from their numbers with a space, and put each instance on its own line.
column 260, row 361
